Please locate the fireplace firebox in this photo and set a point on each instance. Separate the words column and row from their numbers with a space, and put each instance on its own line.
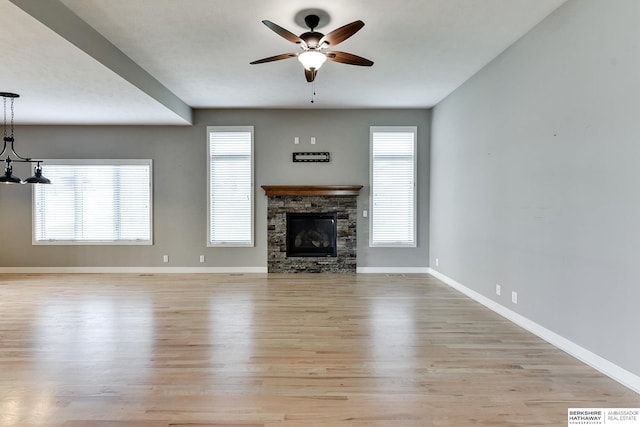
column 312, row 234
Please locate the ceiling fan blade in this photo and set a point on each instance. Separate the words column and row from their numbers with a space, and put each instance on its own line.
column 274, row 58
column 310, row 74
column 341, row 34
column 284, row 33
column 348, row 58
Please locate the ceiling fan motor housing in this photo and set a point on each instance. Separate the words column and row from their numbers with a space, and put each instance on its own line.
column 312, row 39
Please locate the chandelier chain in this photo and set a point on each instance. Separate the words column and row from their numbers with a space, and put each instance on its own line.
column 5, row 116
column 4, row 99
column 12, row 114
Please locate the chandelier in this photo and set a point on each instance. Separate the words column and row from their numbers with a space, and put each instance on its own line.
column 9, row 149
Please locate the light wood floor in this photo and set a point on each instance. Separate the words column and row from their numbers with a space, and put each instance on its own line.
column 275, row 350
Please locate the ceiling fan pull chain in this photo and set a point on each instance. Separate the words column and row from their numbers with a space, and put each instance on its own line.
column 313, row 91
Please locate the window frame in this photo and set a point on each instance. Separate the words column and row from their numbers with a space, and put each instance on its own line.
column 93, row 162
column 393, row 129
column 223, row 244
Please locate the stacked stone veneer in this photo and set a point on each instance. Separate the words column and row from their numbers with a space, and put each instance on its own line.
column 277, row 208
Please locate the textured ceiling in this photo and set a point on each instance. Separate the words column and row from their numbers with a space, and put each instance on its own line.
column 150, row 61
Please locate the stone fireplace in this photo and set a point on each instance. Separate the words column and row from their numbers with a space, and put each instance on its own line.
column 306, row 248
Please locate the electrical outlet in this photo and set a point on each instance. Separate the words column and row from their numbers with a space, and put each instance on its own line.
column 165, row 258
column 437, row 262
column 365, row 213
column 201, row 258
column 514, row 297
column 313, row 140
column 498, row 289
column 296, row 140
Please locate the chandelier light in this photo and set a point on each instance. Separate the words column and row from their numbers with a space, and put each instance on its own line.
column 9, row 148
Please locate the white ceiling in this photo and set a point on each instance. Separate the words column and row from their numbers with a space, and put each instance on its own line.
column 197, row 52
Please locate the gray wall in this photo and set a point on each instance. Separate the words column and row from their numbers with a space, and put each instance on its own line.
column 180, row 165
column 535, row 176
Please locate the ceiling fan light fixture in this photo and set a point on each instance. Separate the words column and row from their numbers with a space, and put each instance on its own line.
column 312, row 42
column 312, row 59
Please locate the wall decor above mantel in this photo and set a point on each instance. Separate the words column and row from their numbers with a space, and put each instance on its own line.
column 311, row 156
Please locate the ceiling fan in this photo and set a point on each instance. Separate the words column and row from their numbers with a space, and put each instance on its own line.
column 313, row 45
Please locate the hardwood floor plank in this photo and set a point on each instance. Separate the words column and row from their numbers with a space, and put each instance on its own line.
column 275, row 351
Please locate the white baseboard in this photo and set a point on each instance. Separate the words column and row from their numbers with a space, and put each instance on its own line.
column 608, row 368
column 393, row 270
column 134, row 270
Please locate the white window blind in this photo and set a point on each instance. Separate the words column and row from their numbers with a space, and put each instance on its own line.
column 393, row 186
column 93, row 202
column 230, row 186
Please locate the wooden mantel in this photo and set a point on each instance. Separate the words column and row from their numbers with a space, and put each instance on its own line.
column 311, row 190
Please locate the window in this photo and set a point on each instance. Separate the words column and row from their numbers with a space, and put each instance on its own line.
column 230, row 186
column 393, row 186
column 93, row 202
